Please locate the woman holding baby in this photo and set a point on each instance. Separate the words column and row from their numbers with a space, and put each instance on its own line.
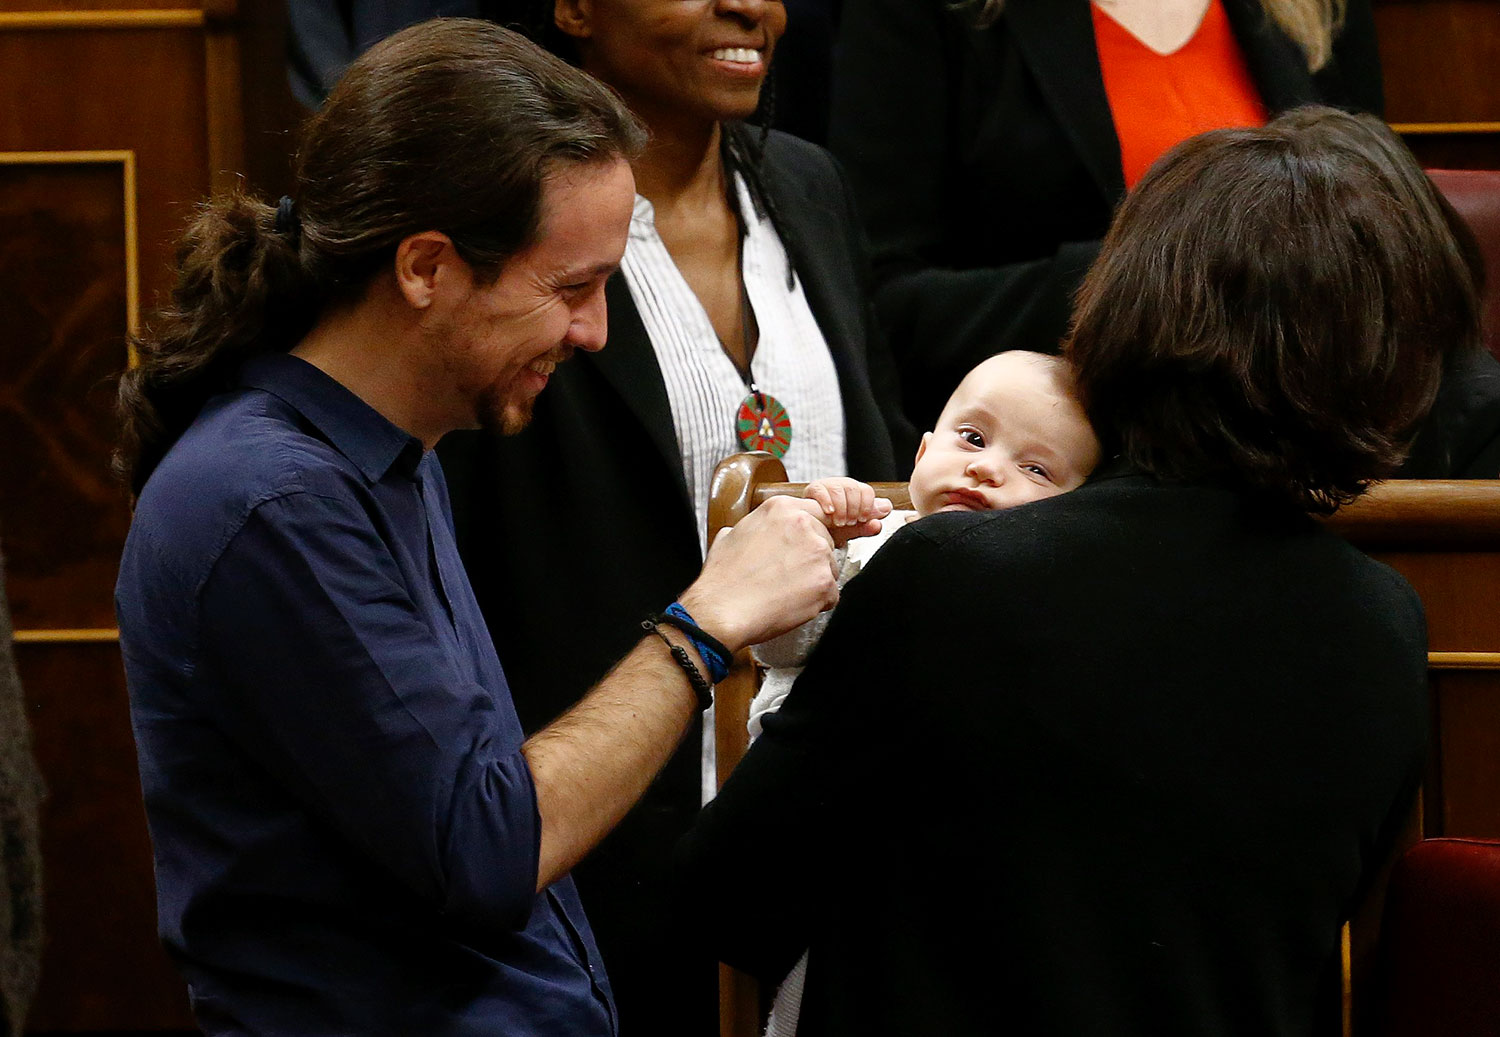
column 1127, row 756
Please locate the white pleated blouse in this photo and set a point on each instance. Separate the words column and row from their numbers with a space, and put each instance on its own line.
column 705, row 389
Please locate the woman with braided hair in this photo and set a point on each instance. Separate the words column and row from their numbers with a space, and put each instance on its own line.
column 738, row 320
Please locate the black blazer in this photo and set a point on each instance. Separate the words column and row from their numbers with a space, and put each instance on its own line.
column 578, row 527
column 1461, row 437
column 986, row 164
column 1122, row 771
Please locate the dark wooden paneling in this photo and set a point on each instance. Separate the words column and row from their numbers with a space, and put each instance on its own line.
column 63, row 260
column 1460, row 616
column 102, row 968
column 1440, row 59
column 140, row 91
column 1455, row 150
column 1459, row 592
column 1468, row 711
column 273, row 117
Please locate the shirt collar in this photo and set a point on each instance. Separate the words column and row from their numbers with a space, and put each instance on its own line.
column 356, row 430
column 642, row 220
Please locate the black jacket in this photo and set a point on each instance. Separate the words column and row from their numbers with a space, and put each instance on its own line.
column 578, row 527
column 986, row 165
column 1122, row 771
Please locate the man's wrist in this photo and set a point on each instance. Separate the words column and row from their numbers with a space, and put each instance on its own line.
column 703, row 689
column 715, row 655
column 708, row 618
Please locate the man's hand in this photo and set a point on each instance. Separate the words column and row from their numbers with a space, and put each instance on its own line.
column 771, row 572
column 850, row 507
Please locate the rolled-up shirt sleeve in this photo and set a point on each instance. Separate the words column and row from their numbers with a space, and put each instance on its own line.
column 324, row 670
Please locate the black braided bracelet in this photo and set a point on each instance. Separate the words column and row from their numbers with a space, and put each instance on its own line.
column 701, row 687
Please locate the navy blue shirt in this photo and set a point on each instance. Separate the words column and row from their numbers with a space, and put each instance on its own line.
column 346, row 832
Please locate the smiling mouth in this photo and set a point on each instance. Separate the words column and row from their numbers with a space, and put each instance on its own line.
column 738, row 55
column 545, row 364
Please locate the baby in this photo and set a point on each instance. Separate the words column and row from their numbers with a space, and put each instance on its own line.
column 1012, row 432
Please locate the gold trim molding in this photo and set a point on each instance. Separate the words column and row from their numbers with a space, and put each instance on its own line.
column 1463, row 660
column 153, row 18
column 67, row 637
column 1421, row 128
column 1346, row 984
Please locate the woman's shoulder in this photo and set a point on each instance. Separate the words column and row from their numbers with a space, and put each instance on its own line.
column 792, row 157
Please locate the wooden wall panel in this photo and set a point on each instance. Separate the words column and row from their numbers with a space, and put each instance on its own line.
column 1455, row 150
column 65, row 260
column 149, row 87
column 1468, row 778
column 1461, row 793
column 1440, row 59
column 121, row 89
column 102, row 968
column 1458, row 619
column 1442, row 88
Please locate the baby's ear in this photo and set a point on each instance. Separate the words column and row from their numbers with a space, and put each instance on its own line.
column 922, row 447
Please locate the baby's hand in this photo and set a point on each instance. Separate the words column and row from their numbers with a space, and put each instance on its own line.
column 850, row 507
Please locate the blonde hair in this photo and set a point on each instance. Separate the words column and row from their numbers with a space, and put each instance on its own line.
column 1311, row 24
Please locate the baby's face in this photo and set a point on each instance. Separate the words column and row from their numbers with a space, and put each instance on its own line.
column 1012, row 433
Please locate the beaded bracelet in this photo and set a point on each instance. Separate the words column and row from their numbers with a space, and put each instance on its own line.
column 701, row 688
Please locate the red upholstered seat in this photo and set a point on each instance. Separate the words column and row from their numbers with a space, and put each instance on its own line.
column 1440, row 941
column 1475, row 193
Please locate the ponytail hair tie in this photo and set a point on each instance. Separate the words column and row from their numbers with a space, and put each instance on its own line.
column 287, row 223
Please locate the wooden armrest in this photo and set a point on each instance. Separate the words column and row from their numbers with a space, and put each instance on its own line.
column 898, row 493
column 743, row 482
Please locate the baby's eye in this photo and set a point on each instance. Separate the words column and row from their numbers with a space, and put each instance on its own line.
column 972, row 436
column 1036, row 469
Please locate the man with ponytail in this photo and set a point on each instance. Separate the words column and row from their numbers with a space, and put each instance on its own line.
column 352, row 833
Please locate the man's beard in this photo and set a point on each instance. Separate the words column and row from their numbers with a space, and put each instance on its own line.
column 498, row 416
column 505, row 417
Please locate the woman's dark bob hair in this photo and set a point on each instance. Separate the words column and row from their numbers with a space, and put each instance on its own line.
column 1271, row 309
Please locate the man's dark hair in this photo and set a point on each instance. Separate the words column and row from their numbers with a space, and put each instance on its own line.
column 1271, row 308
column 452, row 125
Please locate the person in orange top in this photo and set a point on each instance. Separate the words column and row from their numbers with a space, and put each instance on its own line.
column 988, row 143
column 1170, row 78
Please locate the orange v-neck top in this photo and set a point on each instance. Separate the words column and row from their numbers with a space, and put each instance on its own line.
column 1158, row 100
